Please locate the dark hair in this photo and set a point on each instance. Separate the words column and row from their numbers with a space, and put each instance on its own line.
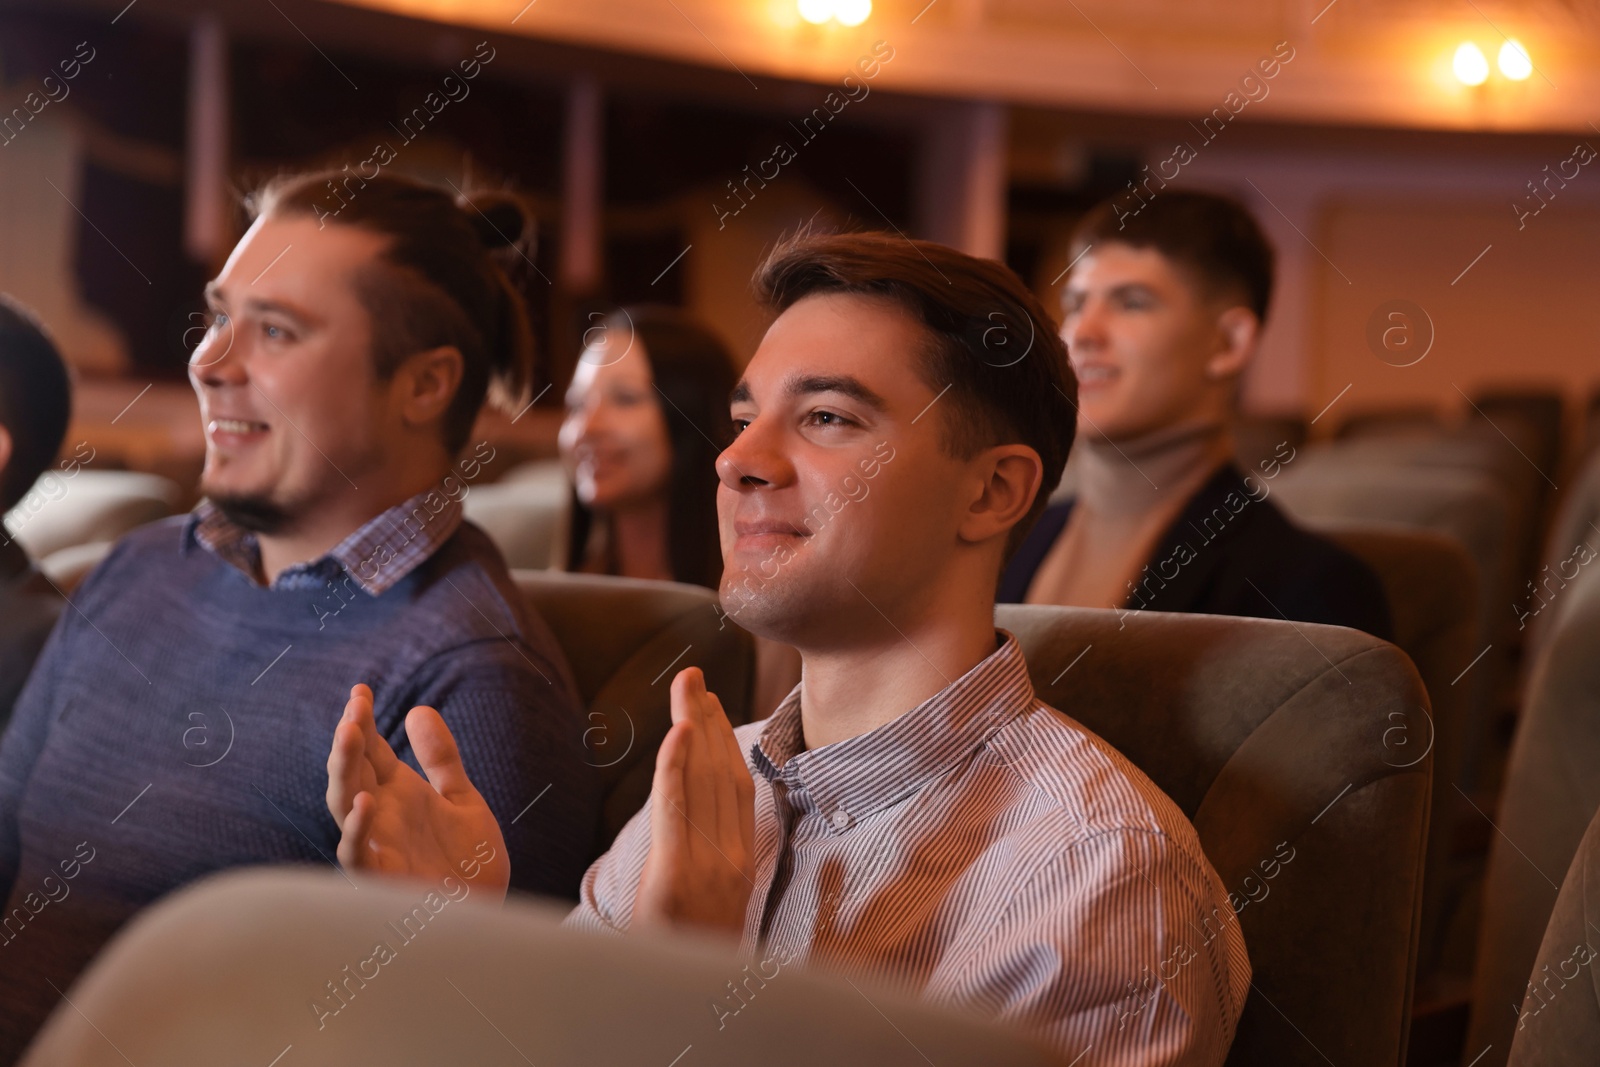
column 1214, row 237
column 35, row 400
column 991, row 342
column 694, row 373
column 444, row 279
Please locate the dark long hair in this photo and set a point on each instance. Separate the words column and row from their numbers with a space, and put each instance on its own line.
column 694, row 374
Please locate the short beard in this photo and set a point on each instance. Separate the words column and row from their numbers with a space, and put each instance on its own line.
column 254, row 513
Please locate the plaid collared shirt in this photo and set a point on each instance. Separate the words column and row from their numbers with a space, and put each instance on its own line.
column 987, row 851
column 382, row 551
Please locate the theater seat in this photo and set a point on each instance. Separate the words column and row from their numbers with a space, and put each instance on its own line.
column 1531, row 418
column 1431, row 585
column 1346, row 484
column 625, row 638
column 523, row 513
column 1558, row 1024
column 66, row 567
column 1551, row 793
column 1414, row 420
column 229, row 973
column 1576, row 528
column 62, row 511
column 1273, row 735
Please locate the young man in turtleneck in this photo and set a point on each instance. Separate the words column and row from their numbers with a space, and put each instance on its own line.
column 1162, row 312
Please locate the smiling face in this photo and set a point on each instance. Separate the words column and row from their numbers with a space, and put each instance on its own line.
column 1145, row 344
column 836, row 500
column 293, row 412
column 614, row 440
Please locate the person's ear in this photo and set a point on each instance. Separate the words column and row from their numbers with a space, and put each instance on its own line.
column 5, row 451
column 427, row 382
column 1237, row 331
column 1009, row 479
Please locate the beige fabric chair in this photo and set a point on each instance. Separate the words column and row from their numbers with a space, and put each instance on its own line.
column 1273, row 735
column 1418, row 420
column 625, row 639
column 66, row 567
column 1431, row 584
column 88, row 506
column 1552, row 790
column 523, row 513
column 1558, row 1022
column 1344, row 484
column 1575, row 528
column 1276, row 738
column 1422, row 484
column 1499, row 451
column 1532, row 419
column 230, row 973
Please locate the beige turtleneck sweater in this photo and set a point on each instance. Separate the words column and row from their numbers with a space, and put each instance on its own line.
column 1129, row 493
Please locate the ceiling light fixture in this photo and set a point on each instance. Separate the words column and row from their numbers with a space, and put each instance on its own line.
column 847, row 12
column 1470, row 64
column 1514, row 61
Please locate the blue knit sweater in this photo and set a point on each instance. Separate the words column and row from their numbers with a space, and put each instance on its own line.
column 179, row 720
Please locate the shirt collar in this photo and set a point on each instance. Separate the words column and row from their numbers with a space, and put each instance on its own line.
column 376, row 556
column 851, row 778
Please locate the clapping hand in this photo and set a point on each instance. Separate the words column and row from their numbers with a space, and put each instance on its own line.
column 394, row 821
column 702, row 819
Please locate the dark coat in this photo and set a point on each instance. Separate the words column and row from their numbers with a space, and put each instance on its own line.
column 1232, row 553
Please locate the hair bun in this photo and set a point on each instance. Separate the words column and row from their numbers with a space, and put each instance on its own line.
column 500, row 220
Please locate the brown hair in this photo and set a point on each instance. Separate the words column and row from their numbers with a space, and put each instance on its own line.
column 992, row 345
column 444, row 278
column 1214, row 237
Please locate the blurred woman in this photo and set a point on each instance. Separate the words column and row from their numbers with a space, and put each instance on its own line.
column 647, row 415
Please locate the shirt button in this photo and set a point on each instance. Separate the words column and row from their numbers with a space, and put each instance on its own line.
column 840, row 819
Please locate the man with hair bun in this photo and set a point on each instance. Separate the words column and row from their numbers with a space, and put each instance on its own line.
column 35, row 405
column 178, row 720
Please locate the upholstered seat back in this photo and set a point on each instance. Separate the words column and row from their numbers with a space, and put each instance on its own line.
column 1558, row 1024
column 1276, row 739
column 625, row 639
column 1471, row 506
column 1431, row 584
column 1467, row 505
column 1552, row 790
column 278, row 965
column 1572, row 547
column 88, row 506
column 523, row 514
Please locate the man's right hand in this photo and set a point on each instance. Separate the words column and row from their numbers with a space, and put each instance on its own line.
column 701, row 865
column 395, row 822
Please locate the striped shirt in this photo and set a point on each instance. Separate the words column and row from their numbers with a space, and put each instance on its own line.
column 983, row 850
column 382, row 551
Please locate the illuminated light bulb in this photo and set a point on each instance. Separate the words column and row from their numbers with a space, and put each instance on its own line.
column 852, row 12
column 1471, row 65
column 1514, row 61
column 816, row 12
